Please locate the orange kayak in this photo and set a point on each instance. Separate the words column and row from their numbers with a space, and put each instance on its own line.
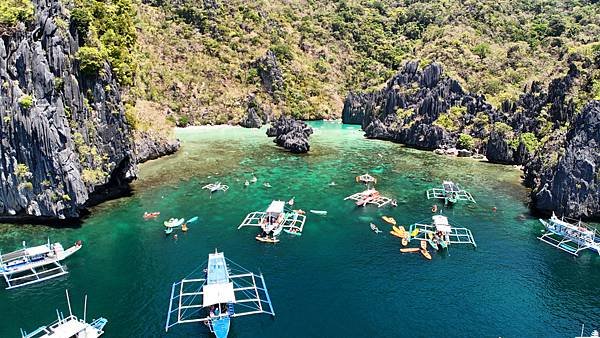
column 424, row 245
column 396, row 234
column 399, row 230
column 405, row 250
column 389, row 219
column 404, row 241
column 425, row 253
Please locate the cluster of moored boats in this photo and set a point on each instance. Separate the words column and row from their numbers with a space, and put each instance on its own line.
column 221, row 290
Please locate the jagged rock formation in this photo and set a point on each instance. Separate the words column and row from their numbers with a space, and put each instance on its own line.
column 65, row 142
column 252, row 119
column 291, row 134
column 270, row 74
column 428, row 110
column 570, row 184
column 409, row 108
column 150, row 146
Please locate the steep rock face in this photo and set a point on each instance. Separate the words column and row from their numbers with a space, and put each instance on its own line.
column 291, row 134
column 270, row 74
column 571, row 185
column 409, row 107
column 64, row 143
column 253, row 118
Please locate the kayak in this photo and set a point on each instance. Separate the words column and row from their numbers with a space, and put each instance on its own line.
column 149, row 215
column 414, row 232
column 184, row 227
column 425, row 253
column 389, row 219
column 399, row 230
column 267, row 240
column 405, row 250
column 319, row 212
column 295, row 233
column 174, row 222
column 424, row 245
column 396, row 234
column 193, row 219
column 404, row 241
column 168, row 231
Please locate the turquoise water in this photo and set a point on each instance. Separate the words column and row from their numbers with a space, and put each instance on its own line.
column 338, row 279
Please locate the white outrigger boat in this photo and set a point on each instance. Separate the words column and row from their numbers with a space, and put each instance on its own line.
column 35, row 264
column 366, row 179
column 69, row 327
column 224, row 291
column 451, row 193
column 369, row 196
column 593, row 334
column 570, row 237
column 214, row 187
column 274, row 220
column 440, row 234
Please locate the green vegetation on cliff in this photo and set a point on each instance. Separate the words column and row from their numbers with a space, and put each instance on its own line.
column 13, row 12
column 199, row 57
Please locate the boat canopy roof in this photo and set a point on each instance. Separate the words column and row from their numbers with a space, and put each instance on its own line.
column 276, row 207
column 217, row 294
column 216, row 271
column 441, row 223
column 38, row 250
column 366, row 178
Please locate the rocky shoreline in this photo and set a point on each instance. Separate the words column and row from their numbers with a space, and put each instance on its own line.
column 543, row 131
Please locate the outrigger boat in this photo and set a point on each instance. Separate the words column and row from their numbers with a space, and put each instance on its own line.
column 369, row 196
column 570, row 237
column 69, row 327
column 450, row 193
column 35, row 264
column 224, row 291
column 440, row 232
column 149, row 215
column 274, row 220
column 366, row 179
column 217, row 186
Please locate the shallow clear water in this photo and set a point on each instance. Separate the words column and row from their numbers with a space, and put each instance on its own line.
column 338, row 279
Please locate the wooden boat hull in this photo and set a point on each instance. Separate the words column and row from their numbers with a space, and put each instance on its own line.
column 267, row 240
column 426, row 254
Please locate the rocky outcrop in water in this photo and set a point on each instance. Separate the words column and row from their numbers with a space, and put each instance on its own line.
column 150, row 146
column 253, row 112
column 568, row 180
column 291, row 134
column 65, row 144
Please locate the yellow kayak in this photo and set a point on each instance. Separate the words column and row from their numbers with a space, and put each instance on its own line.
column 389, row 219
column 425, row 254
column 414, row 232
column 430, row 235
column 405, row 250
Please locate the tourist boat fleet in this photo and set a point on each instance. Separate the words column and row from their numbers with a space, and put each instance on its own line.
column 216, row 293
column 225, row 290
column 70, row 326
column 35, row 264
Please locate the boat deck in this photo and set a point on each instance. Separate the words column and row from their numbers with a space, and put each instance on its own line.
column 291, row 220
column 455, row 236
column 187, row 302
column 67, row 327
column 379, row 201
